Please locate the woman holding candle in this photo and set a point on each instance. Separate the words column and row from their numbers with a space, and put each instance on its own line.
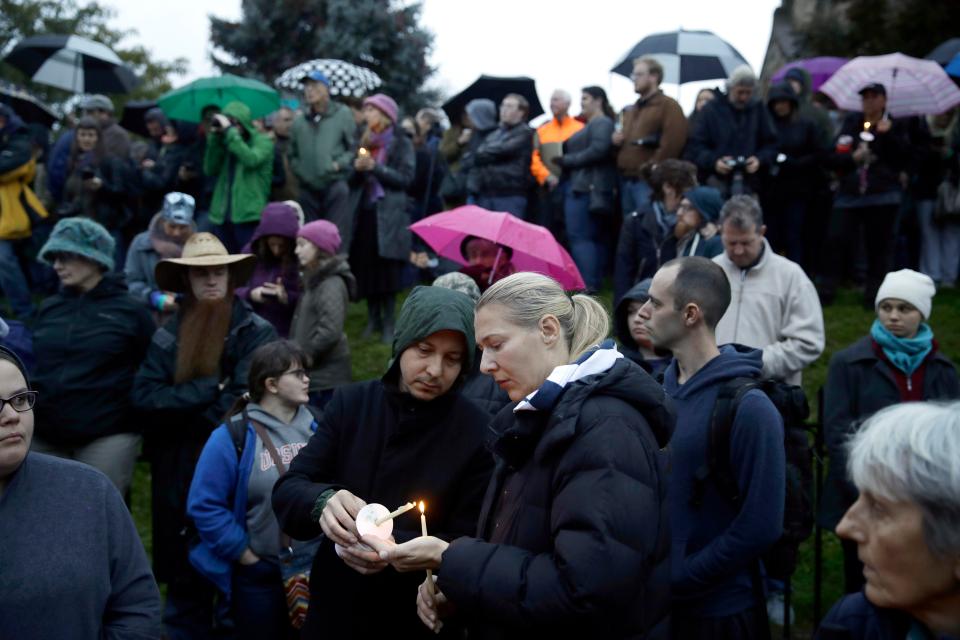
column 572, row 538
column 408, row 436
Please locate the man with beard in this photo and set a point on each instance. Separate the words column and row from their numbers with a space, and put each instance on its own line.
column 410, row 435
column 195, row 369
column 169, row 230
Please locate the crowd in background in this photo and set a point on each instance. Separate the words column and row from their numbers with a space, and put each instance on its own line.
column 195, row 289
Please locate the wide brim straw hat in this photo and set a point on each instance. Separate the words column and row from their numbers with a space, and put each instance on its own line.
column 203, row 250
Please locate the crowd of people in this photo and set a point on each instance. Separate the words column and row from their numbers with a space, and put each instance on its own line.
column 195, row 287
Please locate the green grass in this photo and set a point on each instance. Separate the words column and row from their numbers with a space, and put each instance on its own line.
column 846, row 321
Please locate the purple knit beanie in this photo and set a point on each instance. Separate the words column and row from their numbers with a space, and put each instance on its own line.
column 385, row 103
column 323, row 233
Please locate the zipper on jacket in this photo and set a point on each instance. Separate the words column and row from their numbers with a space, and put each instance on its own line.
column 909, row 382
column 736, row 323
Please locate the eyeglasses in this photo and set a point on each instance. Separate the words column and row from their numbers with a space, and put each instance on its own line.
column 20, row 402
column 297, row 373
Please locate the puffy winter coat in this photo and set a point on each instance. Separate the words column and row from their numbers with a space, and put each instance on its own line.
column 501, row 164
column 573, row 540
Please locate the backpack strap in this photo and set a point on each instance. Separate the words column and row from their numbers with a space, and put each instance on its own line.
column 237, row 426
column 716, row 467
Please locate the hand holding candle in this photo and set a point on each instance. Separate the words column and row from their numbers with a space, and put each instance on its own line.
column 423, row 528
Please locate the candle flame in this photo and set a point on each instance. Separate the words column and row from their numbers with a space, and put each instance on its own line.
column 866, row 126
column 421, row 507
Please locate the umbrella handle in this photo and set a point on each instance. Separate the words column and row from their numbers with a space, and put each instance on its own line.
column 496, row 263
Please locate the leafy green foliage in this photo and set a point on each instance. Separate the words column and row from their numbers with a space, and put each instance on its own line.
column 381, row 35
column 23, row 18
column 875, row 27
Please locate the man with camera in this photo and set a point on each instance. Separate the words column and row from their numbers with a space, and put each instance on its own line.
column 240, row 158
column 733, row 137
column 650, row 131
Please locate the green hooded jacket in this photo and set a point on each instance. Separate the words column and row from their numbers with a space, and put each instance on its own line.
column 432, row 309
column 250, row 162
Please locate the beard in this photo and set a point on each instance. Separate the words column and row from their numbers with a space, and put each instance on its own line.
column 200, row 339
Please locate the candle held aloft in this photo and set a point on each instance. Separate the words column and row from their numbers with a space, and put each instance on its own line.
column 423, row 529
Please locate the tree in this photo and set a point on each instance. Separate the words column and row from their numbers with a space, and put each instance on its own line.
column 274, row 35
column 875, row 27
column 23, row 18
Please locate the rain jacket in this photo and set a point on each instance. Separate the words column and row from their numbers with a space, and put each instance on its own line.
column 716, row 545
column 243, row 169
column 319, row 140
column 385, row 446
column 501, row 164
column 799, row 139
column 553, row 131
column 88, row 347
column 573, row 540
column 657, row 115
column 20, row 207
column 318, row 322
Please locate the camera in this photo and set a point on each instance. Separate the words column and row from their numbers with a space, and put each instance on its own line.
column 737, row 164
column 651, row 141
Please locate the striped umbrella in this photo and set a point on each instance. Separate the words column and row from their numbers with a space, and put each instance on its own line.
column 686, row 56
column 72, row 63
column 914, row 86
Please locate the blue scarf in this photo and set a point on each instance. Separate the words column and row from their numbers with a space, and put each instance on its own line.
column 906, row 354
column 597, row 360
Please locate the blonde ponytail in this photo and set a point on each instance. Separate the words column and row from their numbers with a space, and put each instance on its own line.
column 528, row 297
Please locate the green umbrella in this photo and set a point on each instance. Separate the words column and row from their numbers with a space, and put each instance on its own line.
column 188, row 101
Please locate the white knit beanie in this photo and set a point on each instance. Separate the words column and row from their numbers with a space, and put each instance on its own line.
column 910, row 286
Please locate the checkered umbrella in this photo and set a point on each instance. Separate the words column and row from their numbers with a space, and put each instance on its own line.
column 346, row 79
column 72, row 63
column 686, row 56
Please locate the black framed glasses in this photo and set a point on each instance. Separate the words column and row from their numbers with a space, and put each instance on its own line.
column 296, row 373
column 20, row 402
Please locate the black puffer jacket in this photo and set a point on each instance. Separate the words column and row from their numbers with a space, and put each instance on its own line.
column 88, row 346
column 581, row 547
column 501, row 164
column 798, row 139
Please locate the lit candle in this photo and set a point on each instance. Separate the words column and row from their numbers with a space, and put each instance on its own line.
column 394, row 514
column 423, row 529
column 362, row 152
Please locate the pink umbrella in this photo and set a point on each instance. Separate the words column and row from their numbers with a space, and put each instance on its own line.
column 914, row 87
column 534, row 247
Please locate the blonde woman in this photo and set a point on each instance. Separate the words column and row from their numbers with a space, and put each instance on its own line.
column 572, row 538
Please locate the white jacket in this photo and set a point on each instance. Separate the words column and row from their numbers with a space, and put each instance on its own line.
column 774, row 307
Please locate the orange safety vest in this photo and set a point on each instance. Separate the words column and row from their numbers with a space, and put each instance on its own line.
column 552, row 131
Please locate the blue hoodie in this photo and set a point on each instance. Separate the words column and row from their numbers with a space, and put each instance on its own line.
column 715, row 545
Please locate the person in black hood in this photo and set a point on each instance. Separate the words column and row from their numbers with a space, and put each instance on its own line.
column 89, row 340
column 572, row 540
column 632, row 334
column 410, row 435
column 787, row 196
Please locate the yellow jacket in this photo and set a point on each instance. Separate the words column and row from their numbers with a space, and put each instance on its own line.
column 18, row 203
column 552, row 131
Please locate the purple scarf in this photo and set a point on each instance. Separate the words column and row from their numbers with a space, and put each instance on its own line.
column 378, row 144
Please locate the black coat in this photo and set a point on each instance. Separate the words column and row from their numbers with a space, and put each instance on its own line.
column 883, row 175
column 501, row 164
column 799, row 140
column 384, row 446
column 859, row 384
column 588, row 158
column 723, row 130
column 110, row 204
column 573, row 539
column 179, row 419
column 641, row 248
column 394, row 240
column 854, row 617
column 88, row 347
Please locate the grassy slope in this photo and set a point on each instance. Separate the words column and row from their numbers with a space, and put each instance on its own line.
column 845, row 322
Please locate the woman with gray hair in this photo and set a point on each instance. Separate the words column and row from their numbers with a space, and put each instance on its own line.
column 572, row 536
column 906, row 525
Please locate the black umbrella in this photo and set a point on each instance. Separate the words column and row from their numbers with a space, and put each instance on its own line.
column 945, row 52
column 72, row 63
column 494, row 88
column 133, row 113
column 686, row 56
column 27, row 106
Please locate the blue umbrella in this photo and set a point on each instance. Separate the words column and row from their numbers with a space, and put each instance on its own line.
column 953, row 68
column 686, row 56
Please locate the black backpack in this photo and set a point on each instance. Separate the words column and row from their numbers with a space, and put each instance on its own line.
column 780, row 560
